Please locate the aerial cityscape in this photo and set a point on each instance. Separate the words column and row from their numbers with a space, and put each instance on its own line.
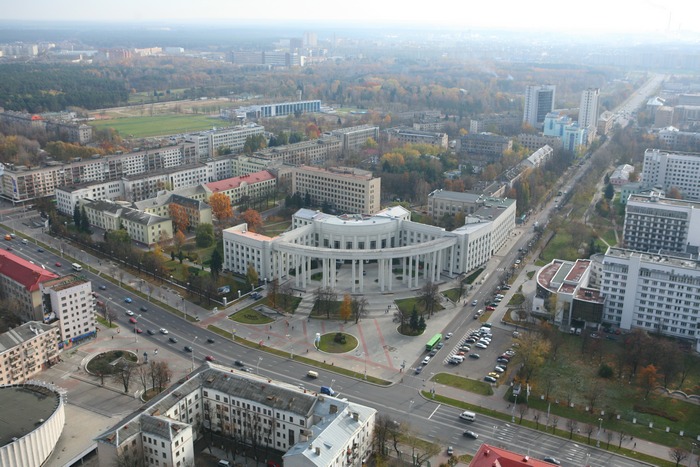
column 377, row 234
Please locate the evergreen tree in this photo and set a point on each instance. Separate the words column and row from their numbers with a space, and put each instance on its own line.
column 413, row 322
column 84, row 221
column 216, row 263
column 76, row 217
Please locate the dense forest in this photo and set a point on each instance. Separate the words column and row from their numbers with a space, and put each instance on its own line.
column 38, row 88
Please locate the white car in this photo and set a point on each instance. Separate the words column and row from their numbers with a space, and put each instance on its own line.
column 426, row 360
column 479, row 345
column 499, row 369
column 163, row 331
column 129, row 312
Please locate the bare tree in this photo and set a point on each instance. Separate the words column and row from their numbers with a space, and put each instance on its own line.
column 164, row 375
column 385, row 429
column 678, row 454
column 593, row 392
column 285, row 293
column 571, row 425
column 429, row 297
column 621, row 436
column 123, row 375
column 553, row 422
column 522, row 410
column 273, row 290
column 589, row 429
column 151, row 287
column 688, row 363
column 609, row 434
column 111, row 316
column 536, row 418
column 359, row 306
column 143, row 374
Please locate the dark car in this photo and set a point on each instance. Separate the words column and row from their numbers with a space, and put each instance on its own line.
column 143, row 308
column 551, row 460
column 419, row 369
column 173, row 339
column 471, row 340
column 210, row 340
column 489, row 379
column 40, row 250
column 474, row 355
column 188, row 348
column 470, row 434
column 239, row 363
column 503, row 361
column 102, row 287
column 151, row 332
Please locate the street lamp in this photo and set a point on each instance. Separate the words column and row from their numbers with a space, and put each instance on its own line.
column 195, row 338
column 365, row 366
column 258, row 368
column 597, row 437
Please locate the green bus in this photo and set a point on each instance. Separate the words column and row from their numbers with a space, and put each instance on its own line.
column 433, row 342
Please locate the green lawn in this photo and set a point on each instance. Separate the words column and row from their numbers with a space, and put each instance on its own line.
column 406, row 305
column 560, row 247
column 250, row 316
column 141, row 127
column 453, row 294
column 466, row 384
column 328, row 343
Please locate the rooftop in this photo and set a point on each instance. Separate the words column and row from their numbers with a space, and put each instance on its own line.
column 490, row 456
column 346, row 172
column 23, row 333
column 235, row 182
column 24, row 408
column 22, row 271
column 65, row 282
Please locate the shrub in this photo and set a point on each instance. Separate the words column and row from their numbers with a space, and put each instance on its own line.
column 605, row 371
column 339, row 338
column 193, row 256
column 655, row 411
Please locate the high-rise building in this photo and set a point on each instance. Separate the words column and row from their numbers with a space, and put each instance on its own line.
column 588, row 111
column 669, row 169
column 539, row 101
column 69, row 300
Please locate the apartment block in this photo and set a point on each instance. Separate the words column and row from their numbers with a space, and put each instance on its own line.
column 355, row 137
column 68, row 196
column 253, row 186
column 20, row 183
column 308, row 429
column 656, row 292
column 657, row 224
column 486, row 144
column 20, row 280
column 588, row 109
column 64, row 129
column 315, row 152
column 344, row 189
column 411, row 136
column 539, row 101
column 142, row 227
column 198, row 212
column 26, row 350
column 673, row 170
column 211, row 143
column 534, row 141
column 69, row 302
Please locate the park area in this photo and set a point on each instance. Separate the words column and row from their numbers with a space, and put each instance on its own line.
column 157, row 125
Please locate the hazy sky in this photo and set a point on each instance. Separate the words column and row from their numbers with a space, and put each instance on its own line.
column 564, row 15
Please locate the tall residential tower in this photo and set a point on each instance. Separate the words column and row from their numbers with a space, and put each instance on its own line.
column 539, row 101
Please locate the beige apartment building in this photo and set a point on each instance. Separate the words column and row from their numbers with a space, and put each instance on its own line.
column 69, row 301
column 26, row 350
column 345, row 189
column 253, row 185
column 142, row 227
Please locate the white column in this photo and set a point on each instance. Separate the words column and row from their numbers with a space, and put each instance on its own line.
column 352, row 276
column 403, row 264
column 433, row 267
column 382, row 273
column 390, row 273
column 324, row 272
column 409, row 275
column 441, row 254
column 361, row 275
column 297, row 272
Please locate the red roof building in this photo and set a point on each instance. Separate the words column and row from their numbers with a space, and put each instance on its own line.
column 20, row 279
column 489, row 456
column 253, row 185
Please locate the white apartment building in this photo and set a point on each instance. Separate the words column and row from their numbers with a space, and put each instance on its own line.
column 68, row 300
column 422, row 253
column 539, row 101
column 657, row 224
column 658, row 293
column 588, row 110
column 20, row 183
column 142, row 227
column 68, row 196
column 673, row 169
column 344, row 189
column 411, row 136
column 312, row 430
column 26, row 350
column 355, row 137
column 315, row 152
column 210, row 143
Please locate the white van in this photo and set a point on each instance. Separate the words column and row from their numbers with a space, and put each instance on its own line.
column 312, row 374
column 468, row 416
column 457, row 358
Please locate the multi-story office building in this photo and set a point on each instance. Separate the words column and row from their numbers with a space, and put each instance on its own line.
column 673, row 170
column 149, row 185
column 198, row 212
column 278, row 109
column 539, row 101
column 506, row 123
column 254, row 186
column 656, row 224
column 571, row 134
column 387, row 238
column 68, row 196
column 309, row 429
column 26, row 350
column 486, row 144
column 538, row 158
column 20, row 281
column 411, row 136
column 355, row 137
column 605, row 122
column 20, row 183
column 656, row 292
column 675, row 140
column 142, row 227
column 344, row 189
column 69, row 301
column 211, row 143
column 588, row 110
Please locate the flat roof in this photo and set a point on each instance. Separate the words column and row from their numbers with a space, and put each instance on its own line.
column 22, row 408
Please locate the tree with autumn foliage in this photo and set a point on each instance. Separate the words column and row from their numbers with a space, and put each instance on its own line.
column 221, row 206
column 253, row 219
column 179, row 216
column 648, row 376
column 346, row 308
column 179, row 239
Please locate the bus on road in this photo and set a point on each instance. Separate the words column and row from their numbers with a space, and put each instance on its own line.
column 433, row 342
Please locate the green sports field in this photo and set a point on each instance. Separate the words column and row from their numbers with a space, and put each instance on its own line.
column 140, row 127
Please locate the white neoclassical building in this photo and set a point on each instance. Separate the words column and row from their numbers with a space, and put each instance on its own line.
column 386, row 249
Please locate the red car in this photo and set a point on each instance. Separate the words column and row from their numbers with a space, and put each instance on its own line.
column 58, row 265
column 490, row 308
column 209, row 358
column 138, row 331
column 132, row 320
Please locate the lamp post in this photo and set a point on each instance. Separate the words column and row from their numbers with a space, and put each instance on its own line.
column 365, row 366
column 233, row 334
column 258, row 367
column 195, row 338
column 184, row 308
column 692, row 451
column 432, row 390
column 597, row 436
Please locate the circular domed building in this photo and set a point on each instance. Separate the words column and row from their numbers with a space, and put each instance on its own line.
column 31, row 422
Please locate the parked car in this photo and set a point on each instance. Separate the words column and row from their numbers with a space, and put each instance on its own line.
column 450, row 450
column 495, row 374
column 440, row 345
column 502, row 361
column 419, row 369
column 499, row 369
column 489, row 379
column 490, row 308
column 474, row 355
column 480, row 345
column 448, row 335
column 426, row 360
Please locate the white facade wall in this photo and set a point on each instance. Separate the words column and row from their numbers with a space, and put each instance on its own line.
column 673, row 169
column 74, row 307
